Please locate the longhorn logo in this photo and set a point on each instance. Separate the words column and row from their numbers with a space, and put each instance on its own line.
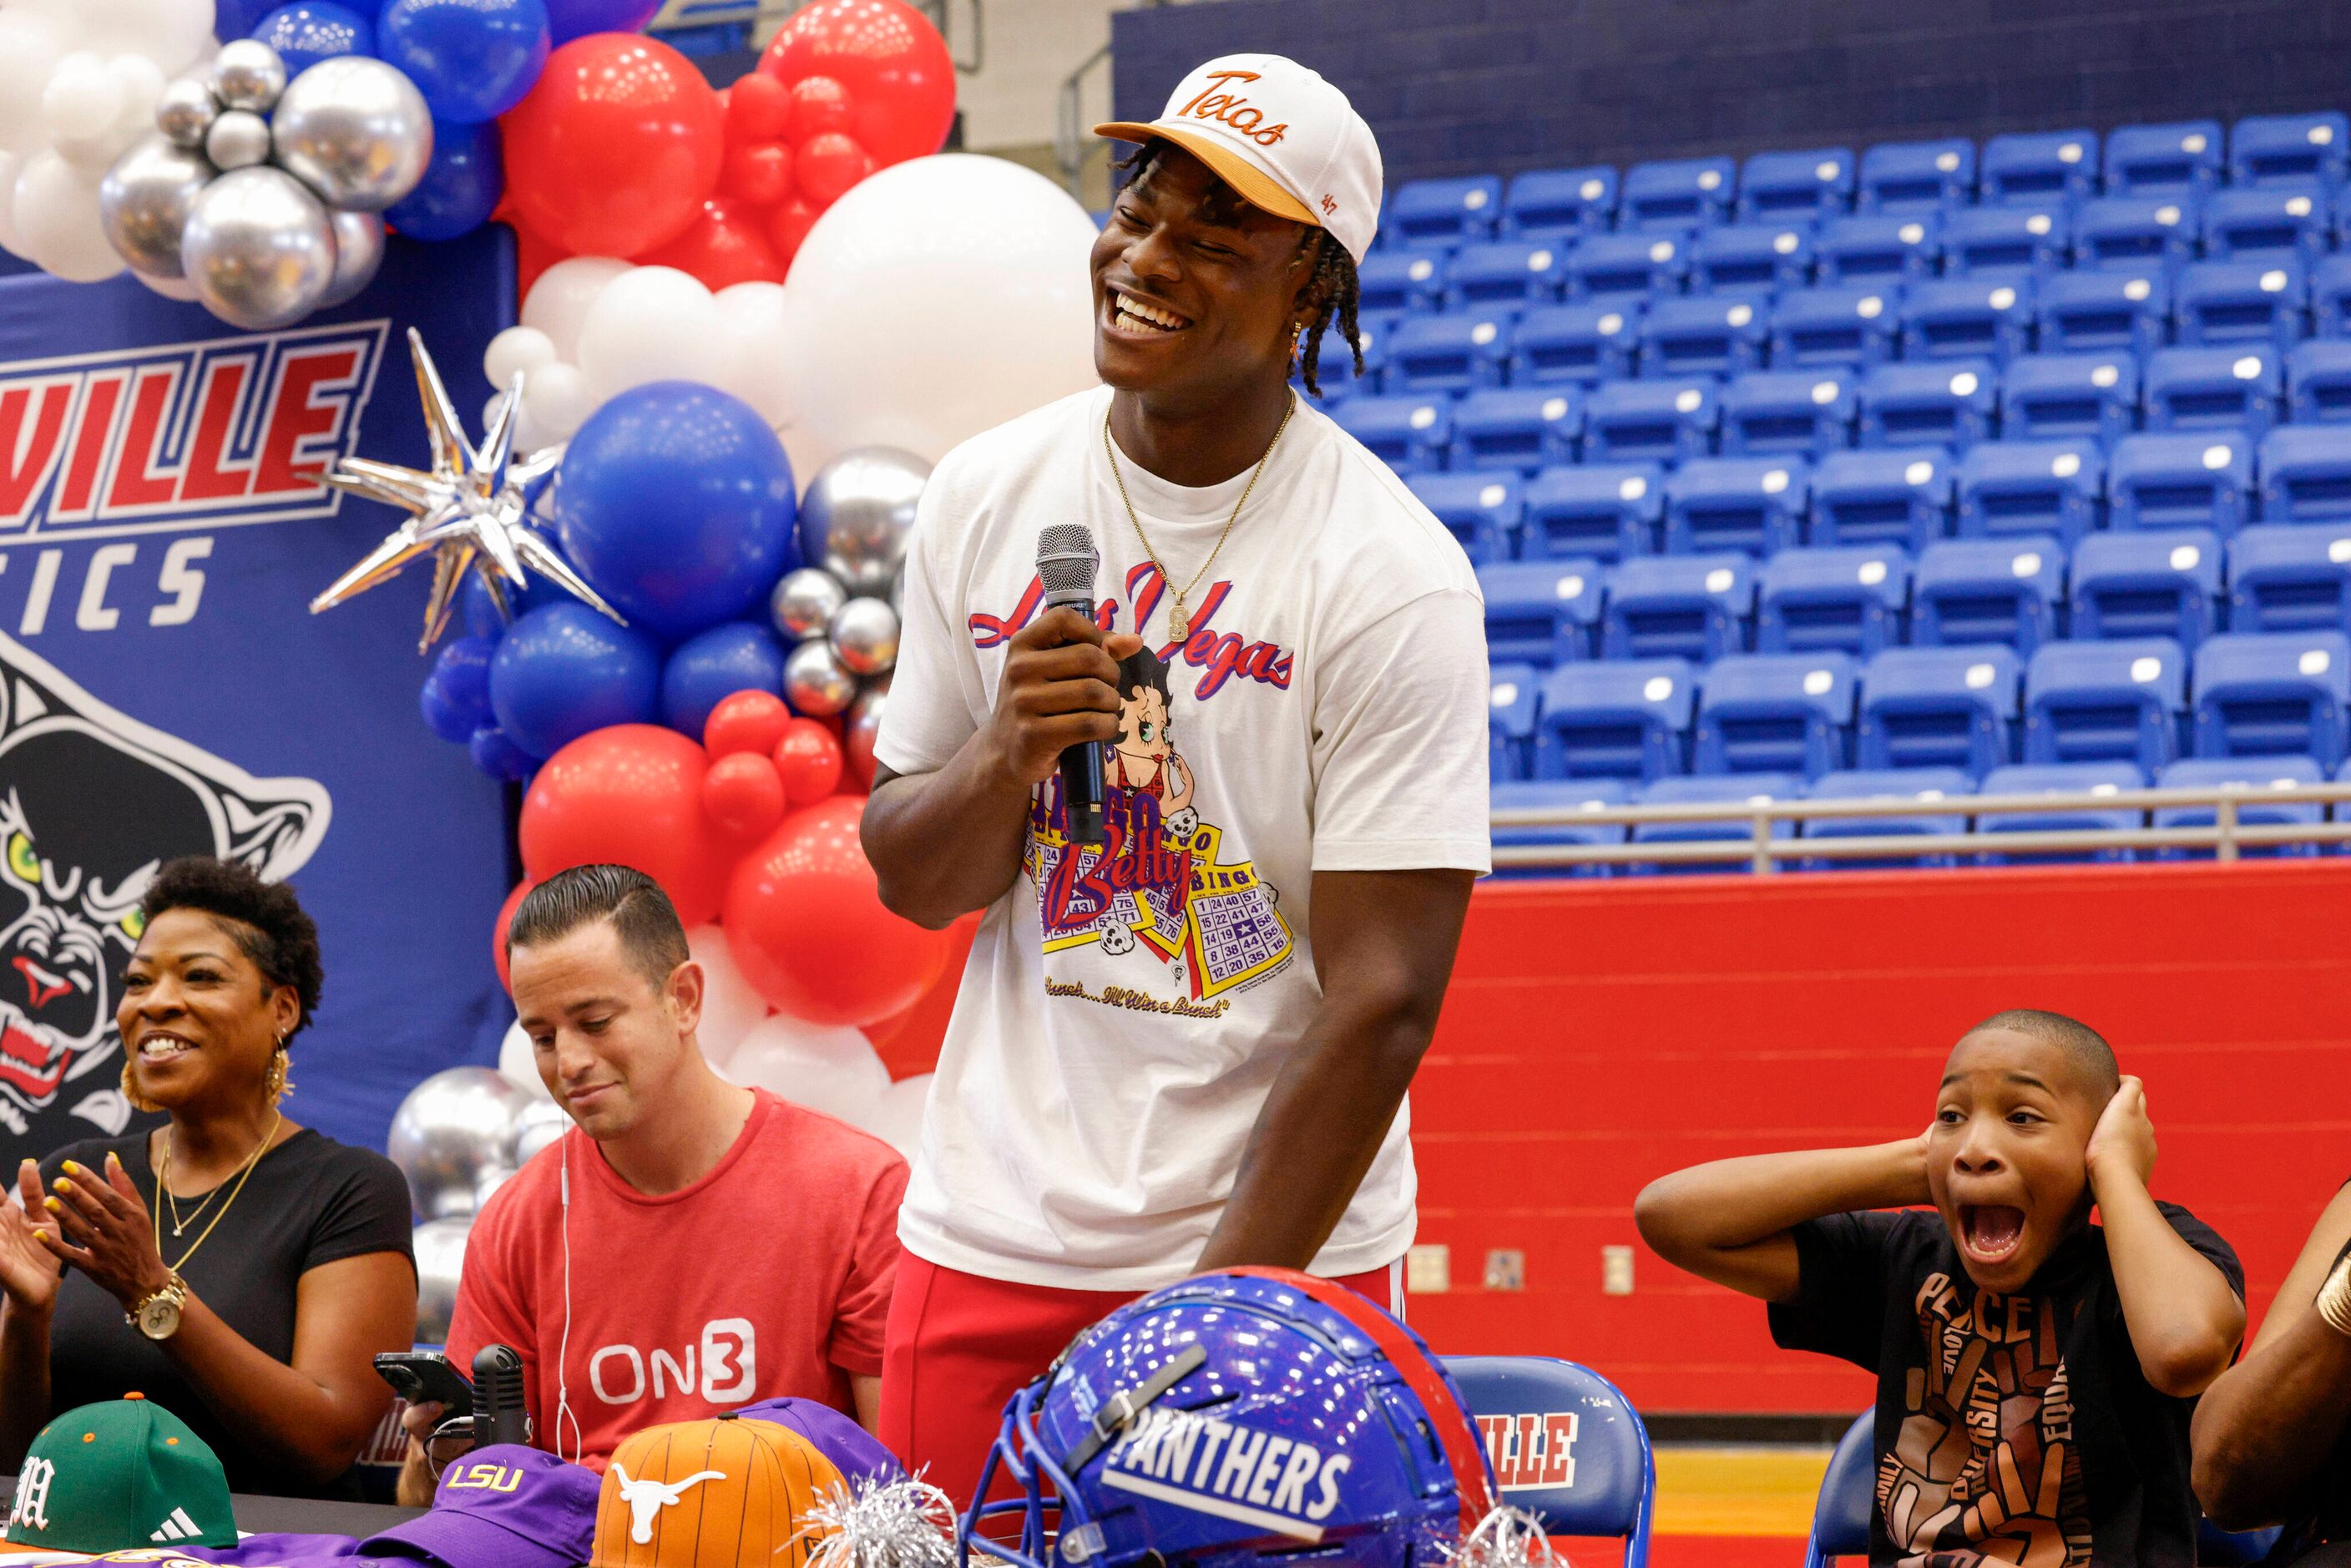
column 646, row 1498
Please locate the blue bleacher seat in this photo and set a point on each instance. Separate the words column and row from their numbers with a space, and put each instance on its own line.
column 1847, row 598
column 2165, row 583
column 2262, row 693
column 1513, row 698
column 1705, row 335
column 2235, row 388
column 2135, row 232
column 1408, row 433
column 1400, row 280
column 1616, row 719
column 1693, row 607
column 1608, row 511
column 1582, row 343
column 1928, row 787
column 2273, row 221
column 1541, row 612
column 1618, row 267
column 2252, row 773
column 1334, row 365
column 1988, row 591
column 1676, row 194
column 2116, row 310
column 1899, row 497
column 2105, row 702
column 1963, row 318
column 1481, row 510
column 2287, row 578
column 1658, row 421
column 1749, row 256
column 2318, row 380
column 2061, row 779
column 1519, row 428
column 2171, row 479
column 1558, row 794
column 2008, row 488
column 1803, row 413
column 2267, row 147
column 2090, row 395
column 2223, row 302
column 2038, row 166
column 1913, row 177
column 1870, row 247
column 2330, row 294
column 1937, row 707
column 1555, row 205
column 1455, row 211
column 1448, row 353
column 1504, row 272
column 2004, row 244
column 1752, row 504
column 1732, row 791
column 1951, row 404
column 1853, row 324
column 2177, row 159
column 1775, row 713
column 1804, row 185
column 2305, row 473
column 1604, row 1486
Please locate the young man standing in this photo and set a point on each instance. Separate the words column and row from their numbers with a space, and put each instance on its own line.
column 1186, row 1047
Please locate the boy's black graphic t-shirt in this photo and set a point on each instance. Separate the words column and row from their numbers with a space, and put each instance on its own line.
column 2011, row 1429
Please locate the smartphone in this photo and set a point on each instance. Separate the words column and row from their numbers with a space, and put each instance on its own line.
column 421, row 1376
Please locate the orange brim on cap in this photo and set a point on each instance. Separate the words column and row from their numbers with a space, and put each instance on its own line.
column 1255, row 186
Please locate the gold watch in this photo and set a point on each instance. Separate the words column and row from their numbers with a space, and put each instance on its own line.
column 157, row 1314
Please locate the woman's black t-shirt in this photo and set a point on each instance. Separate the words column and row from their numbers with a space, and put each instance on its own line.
column 309, row 1201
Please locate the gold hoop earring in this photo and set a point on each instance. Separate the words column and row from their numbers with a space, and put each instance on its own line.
column 130, row 1087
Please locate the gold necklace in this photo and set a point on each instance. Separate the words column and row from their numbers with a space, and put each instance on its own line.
column 163, row 1173
column 1179, row 620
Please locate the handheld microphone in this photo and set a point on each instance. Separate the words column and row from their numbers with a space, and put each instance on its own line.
column 1066, row 563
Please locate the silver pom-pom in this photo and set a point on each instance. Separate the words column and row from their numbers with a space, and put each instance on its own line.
column 903, row 1524
column 1505, row 1537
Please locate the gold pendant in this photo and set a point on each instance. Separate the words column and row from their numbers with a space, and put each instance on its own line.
column 1180, row 623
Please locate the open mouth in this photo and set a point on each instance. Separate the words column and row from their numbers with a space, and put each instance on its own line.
column 162, row 1045
column 1136, row 316
column 1991, row 1232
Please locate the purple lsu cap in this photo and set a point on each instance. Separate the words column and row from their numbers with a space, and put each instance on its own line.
column 503, row 1506
column 856, row 1453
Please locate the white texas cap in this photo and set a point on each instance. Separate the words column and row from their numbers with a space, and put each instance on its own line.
column 1289, row 141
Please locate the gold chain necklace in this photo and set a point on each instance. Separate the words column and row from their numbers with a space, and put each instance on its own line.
column 1179, row 620
column 163, row 1173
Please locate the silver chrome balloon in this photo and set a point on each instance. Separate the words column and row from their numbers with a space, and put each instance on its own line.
column 356, row 130
column 858, row 513
column 542, row 1122
column 440, row 1247
column 814, row 681
column 358, row 252
column 239, row 139
column 248, row 74
column 455, row 1128
column 805, row 602
column 144, row 202
column 864, row 724
column 259, row 248
column 864, row 636
column 186, row 110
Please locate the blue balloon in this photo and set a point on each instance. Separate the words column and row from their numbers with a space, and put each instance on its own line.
column 496, row 754
column 462, row 670
column 238, row 18
column 675, row 502
column 739, row 657
column 472, row 60
column 576, row 19
column 461, row 186
column 482, row 615
column 309, row 31
column 452, row 721
column 565, row 670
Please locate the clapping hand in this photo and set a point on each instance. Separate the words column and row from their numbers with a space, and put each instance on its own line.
column 108, row 1233
column 28, row 1269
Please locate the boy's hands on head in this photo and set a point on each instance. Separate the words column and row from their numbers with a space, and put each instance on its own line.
column 2124, row 1140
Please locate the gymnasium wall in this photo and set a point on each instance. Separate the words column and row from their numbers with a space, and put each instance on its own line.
column 1472, row 86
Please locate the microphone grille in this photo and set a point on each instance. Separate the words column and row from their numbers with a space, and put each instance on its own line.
column 1067, row 559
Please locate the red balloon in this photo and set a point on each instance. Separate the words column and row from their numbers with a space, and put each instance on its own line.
column 819, row 104
column 789, row 225
column 805, row 923
column 899, row 76
column 809, row 757
column 758, row 109
column 743, row 795
column 750, row 720
column 828, row 165
column 630, row 794
column 757, row 173
column 615, row 149
column 498, row 931
column 723, row 246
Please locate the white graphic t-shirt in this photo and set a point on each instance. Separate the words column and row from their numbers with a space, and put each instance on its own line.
column 1126, row 1007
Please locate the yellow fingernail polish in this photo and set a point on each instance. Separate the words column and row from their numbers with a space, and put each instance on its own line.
column 53, row 1206
column 72, row 1170
column 64, row 1186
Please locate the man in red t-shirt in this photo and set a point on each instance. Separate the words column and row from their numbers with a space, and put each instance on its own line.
column 688, row 1247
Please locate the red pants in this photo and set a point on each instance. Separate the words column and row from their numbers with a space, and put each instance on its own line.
column 959, row 1345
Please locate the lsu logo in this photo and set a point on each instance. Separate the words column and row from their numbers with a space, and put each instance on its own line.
column 227, row 430
column 1233, row 1472
column 485, row 1477
column 1531, row 1450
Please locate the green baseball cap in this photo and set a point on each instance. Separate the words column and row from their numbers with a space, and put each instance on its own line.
column 121, row 1474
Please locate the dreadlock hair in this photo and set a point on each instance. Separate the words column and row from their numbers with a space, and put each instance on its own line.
column 1333, row 287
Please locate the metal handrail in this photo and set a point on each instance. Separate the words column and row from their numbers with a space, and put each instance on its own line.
column 1072, row 141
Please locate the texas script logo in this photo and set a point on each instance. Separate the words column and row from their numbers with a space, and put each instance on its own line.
column 1232, row 109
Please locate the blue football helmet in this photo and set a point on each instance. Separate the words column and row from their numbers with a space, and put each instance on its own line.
column 1247, row 1413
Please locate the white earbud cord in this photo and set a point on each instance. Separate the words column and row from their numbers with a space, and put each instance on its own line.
column 563, row 1346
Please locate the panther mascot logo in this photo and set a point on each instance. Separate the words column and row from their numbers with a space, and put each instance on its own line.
column 91, row 803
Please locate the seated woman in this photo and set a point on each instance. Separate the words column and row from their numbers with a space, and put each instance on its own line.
column 239, row 1270
column 2272, row 1435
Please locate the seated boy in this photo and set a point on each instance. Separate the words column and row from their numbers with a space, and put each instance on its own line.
column 2036, row 1373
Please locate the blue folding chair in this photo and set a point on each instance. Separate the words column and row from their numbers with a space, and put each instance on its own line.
column 2177, row 159
column 1911, row 178
column 1751, row 504
column 1504, row 272
column 1565, row 1444
column 1705, row 335
column 1778, row 186
column 1630, row 266
column 1845, row 324
column 1872, row 248
column 2164, row 582
column 2306, row 473
column 1407, row 434
column 1541, row 612
column 2236, row 388
column 1899, row 497
column 1573, row 343
column 1976, row 591
column 1608, row 511
column 1848, row 1496
column 1939, row 707
column 2185, row 478
column 1399, row 280
column 1554, row 205
column 2061, row 779
column 1676, row 194
column 2251, row 773
column 2012, row 487
column 1623, row 718
column 1480, row 509
column 1951, row 405
column 2038, row 166
column 1739, row 793
column 2258, row 694
column 2286, row 578
column 1797, row 413
column 1850, row 599
column 2105, row 702
column 1693, row 607
column 1775, row 713
column 2015, row 243
column 2330, row 296
column 1458, row 211
column 1514, row 699
column 1751, row 257
column 2052, row 396
column 1520, row 428
column 1650, row 421
column 2250, row 302
column 1929, row 788
column 1449, row 353
column 1557, row 794
column 1967, row 318
column 2142, row 234
column 2318, row 380
column 2268, row 148
column 2117, row 310
column 2275, row 222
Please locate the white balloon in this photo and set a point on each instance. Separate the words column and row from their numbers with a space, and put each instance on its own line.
column 938, row 297
column 10, row 163
column 515, row 350
column 30, row 46
column 141, row 81
column 731, row 1009
column 559, row 301
column 809, row 453
column 517, row 1063
column 57, row 221
column 896, row 1118
column 651, row 324
column 170, row 32
column 753, row 314
column 834, row 1070
column 527, row 436
column 556, row 400
column 82, row 100
column 169, row 288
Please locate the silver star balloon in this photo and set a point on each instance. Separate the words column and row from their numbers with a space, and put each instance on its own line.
column 470, row 513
